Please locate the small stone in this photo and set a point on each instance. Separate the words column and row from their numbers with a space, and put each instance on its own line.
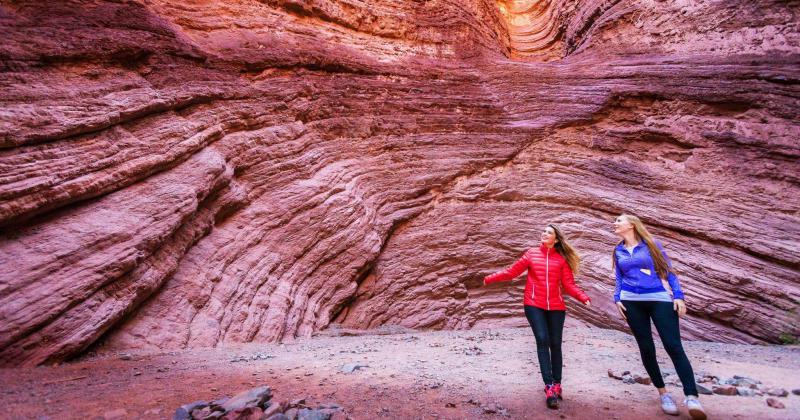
column 181, row 414
column 707, row 378
column 641, row 379
column 703, row 390
column 746, row 379
column 272, row 409
column 250, row 398
column 745, row 391
column 777, row 392
column 628, row 379
column 352, row 367
column 774, row 403
column 796, row 391
column 216, row 405
column 724, row 389
column 119, row 413
column 450, row 405
column 743, row 381
column 201, row 413
column 125, row 356
column 615, row 375
column 298, row 402
column 184, row 412
column 246, row 413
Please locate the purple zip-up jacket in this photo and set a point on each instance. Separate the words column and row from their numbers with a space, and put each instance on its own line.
column 630, row 276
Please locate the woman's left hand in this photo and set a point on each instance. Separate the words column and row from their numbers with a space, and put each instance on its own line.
column 680, row 307
column 588, row 303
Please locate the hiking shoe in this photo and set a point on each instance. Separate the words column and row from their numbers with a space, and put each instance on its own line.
column 550, row 396
column 668, row 405
column 696, row 411
column 557, row 390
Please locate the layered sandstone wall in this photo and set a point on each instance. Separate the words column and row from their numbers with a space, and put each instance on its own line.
column 179, row 174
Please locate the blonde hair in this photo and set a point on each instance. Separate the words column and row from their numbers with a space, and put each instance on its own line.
column 566, row 250
column 642, row 235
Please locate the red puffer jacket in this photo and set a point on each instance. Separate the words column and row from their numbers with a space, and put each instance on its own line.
column 548, row 271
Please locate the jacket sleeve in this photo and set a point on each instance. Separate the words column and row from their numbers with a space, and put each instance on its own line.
column 568, row 282
column 672, row 279
column 618, row 275
column 510, row 273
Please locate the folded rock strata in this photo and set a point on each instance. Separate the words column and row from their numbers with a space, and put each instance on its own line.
column 187, row 174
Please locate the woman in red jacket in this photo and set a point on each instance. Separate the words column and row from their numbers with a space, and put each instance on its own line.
column 550, row 267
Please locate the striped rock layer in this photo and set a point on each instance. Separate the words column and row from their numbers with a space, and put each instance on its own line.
column 182, row 174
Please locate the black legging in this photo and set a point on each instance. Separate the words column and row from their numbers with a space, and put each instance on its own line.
column 547, row 327
column 665, row 318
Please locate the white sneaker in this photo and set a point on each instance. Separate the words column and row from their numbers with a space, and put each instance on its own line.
column 695, row 409
column 668, row 405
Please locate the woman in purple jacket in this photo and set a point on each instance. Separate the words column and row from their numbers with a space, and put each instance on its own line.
column 642, row 268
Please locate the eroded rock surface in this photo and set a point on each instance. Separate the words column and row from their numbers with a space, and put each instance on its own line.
column 186, row 174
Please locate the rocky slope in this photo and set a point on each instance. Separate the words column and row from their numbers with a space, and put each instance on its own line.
column 187, row 174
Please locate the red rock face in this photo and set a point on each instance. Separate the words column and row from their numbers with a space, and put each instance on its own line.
column 186, row 174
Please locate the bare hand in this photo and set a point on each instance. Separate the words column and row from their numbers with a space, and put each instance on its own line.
column 621, row 309
column 588, row 303
column 680, row 307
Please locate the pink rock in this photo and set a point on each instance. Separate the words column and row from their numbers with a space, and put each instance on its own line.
column 724, row 389
column 774, row 403
column 167, row 185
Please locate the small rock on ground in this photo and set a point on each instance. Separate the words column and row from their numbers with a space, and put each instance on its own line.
column 774, row 403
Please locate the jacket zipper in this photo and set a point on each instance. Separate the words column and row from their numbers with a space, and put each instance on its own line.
column 547, row 276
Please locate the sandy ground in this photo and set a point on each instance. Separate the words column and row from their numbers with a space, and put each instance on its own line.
column 444, row 375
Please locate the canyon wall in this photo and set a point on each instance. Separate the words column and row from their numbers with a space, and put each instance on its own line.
column 188, row 174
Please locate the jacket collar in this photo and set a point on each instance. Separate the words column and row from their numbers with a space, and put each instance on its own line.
column 546, row 250
column 621, row 245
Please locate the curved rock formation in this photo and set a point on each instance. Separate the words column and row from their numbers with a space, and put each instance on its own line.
column 179, row 174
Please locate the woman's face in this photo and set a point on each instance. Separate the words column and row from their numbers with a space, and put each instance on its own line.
column 549, row 237
column 622, row 226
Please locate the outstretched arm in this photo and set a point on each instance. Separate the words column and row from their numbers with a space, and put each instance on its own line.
column 568, row 282
column 508, row 274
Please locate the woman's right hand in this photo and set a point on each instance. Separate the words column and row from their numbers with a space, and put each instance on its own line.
column 621, row 309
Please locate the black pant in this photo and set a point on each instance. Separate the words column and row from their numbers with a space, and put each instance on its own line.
column 664, row 316
column 547, row 327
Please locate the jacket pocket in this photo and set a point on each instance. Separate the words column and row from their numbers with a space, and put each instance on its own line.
column 652, row 281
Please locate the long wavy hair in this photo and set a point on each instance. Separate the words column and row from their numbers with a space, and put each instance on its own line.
column 566, row 250
column 662, row 268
